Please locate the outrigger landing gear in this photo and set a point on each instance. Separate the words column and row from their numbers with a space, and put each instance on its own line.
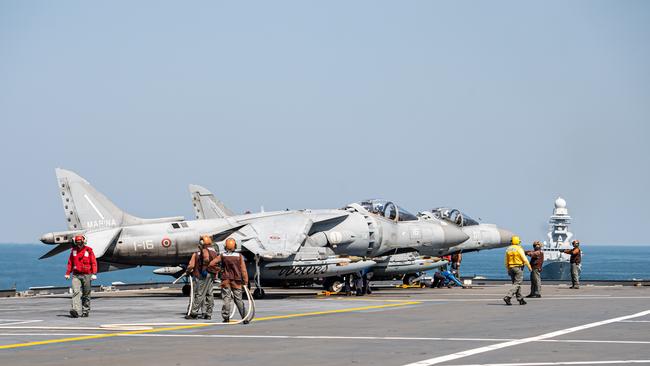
column 258, row 293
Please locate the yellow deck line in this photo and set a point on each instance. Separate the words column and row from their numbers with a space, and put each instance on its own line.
column 193, row 326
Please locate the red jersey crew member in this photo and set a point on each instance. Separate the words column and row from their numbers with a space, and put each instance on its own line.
column 82, row 266
column 233, row 277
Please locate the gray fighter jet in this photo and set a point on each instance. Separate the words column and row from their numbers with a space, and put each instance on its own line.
column 481, row 236
column 281, row 245
column 394, row 235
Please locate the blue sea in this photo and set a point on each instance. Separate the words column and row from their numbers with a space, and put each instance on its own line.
column 20, row 266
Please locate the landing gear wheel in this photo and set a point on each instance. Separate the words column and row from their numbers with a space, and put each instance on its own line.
column 409, row 278
column 259, row 293
column 336, row 286
column 186, row 290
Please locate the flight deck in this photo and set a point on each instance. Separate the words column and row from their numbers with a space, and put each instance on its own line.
column 393, row 326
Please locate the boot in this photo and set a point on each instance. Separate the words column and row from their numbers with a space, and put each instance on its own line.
column 507, row 300
column 226, row 320
column 74, row 314
column 522, row 302
column 191, row 316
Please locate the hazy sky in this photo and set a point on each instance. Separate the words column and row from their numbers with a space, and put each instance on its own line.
column 492, row 107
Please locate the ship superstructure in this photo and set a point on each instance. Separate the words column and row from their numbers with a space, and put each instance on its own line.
column 556, row 263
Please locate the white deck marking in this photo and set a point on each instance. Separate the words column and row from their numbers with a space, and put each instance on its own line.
column 16, row 322
column 635, row 321
column 562, row 363
column 95, row 207
column 475, row 351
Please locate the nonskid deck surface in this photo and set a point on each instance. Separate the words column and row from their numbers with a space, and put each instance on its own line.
column 593, row 325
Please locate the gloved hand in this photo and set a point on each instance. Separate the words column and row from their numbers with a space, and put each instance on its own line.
column 93, row 277
column 67, row 277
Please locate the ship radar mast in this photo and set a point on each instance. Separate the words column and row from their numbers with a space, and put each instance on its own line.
column 559, row 235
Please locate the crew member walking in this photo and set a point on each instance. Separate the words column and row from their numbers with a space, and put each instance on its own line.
column 82, row 266
column 575, row 260
column 536, row 261
column 233, row 277
column 456, row 258
column 204, row 273
column 515, row 260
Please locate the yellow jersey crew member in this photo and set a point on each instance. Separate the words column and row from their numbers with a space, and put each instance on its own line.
column 515, row 260
column 233, row 277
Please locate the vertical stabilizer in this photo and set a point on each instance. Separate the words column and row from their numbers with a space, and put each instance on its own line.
column 206, row 205
column 85, row 207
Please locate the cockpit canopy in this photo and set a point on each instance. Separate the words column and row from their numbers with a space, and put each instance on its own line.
column 454, row 216
column 387, row 209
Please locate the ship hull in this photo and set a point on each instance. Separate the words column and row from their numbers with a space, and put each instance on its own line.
column 557, row 271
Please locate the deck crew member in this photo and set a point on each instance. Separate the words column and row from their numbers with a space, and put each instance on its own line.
column 456, row 258
column 515, row 260
column 82, row 267
column 536, row 261
column 445, row 278
column 575, row 260
column 233, row 277
column 204, row 273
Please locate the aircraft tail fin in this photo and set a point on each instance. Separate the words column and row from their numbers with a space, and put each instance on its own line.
column 206, row 205
column 88, row 209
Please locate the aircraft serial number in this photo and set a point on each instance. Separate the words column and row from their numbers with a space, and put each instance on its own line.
column 143, row 245
column 303, row 270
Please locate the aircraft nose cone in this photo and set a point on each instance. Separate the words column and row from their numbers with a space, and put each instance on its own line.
column 506, row 236
column 454, row 235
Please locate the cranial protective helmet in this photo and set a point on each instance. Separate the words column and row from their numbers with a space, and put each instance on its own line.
column 576, row 242
column 515, row 240
column 231, row 244
column 79, row 240
column 537, row 243
column 206, row 240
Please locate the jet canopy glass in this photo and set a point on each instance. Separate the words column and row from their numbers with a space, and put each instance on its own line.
column 387, row 209
column 454, row 216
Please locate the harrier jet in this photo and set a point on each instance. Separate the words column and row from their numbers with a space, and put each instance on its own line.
column 280, row 245
column 481, row 236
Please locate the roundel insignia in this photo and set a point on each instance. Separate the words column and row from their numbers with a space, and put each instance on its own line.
column 166, row 242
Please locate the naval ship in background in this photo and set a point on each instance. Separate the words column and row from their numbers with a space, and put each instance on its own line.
column 556, row 263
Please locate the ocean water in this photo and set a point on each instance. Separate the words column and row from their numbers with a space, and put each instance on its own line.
column 20, row 266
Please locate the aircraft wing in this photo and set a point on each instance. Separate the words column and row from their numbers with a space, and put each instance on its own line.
column 206, row 205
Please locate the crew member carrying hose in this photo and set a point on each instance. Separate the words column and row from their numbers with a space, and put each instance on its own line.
column 204, row 272
column 233, row 277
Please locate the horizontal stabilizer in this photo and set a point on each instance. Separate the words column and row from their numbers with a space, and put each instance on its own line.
column 58, row 249
column 100, row 241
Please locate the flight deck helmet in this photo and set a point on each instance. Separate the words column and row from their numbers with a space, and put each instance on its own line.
column 231, row 244
column 515, row 240
column 79, row 240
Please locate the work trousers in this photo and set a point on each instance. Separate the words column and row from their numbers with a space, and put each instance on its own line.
column 517, row 277
column 203, row 295
column 229, row 295
column 575, row 274
column 536, row 282
column 81, row 286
